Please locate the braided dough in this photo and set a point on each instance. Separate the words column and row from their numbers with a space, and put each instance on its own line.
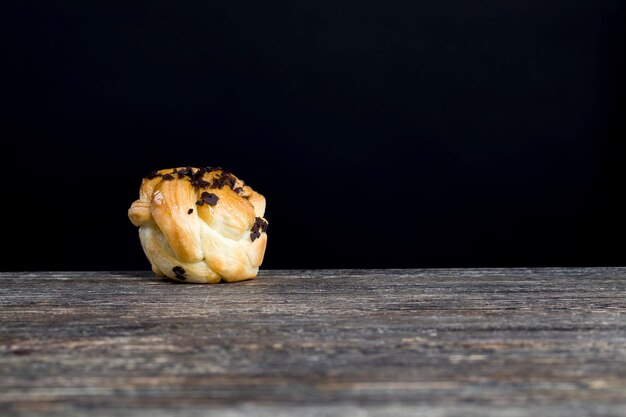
column 200, row 225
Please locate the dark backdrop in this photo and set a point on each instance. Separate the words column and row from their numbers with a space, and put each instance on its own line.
column 383, row 133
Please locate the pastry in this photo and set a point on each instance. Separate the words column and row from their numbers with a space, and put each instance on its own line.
column 200, row 225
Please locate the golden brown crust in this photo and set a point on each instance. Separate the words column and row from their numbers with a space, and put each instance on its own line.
column 198, row 225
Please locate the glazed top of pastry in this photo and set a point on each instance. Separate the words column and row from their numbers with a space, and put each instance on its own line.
column 223, row 201
column 201, row 178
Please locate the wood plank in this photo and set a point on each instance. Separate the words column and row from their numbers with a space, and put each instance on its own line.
column 479, row 342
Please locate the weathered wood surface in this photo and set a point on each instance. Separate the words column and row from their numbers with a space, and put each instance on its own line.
column 493, row 342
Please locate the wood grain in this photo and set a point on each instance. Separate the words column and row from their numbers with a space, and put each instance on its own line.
column 491, row 342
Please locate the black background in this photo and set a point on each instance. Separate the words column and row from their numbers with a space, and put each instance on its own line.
column 382, row 133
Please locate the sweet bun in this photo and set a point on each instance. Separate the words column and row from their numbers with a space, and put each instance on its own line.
column 200, row 225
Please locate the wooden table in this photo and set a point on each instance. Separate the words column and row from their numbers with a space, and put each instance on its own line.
column 489, row 342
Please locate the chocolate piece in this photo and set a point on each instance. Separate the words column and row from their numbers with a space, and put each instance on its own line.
column 185, row 172
column 167, row 177
column 230, row 181
column 189, row 211
column 238, row 190
column 260, row 224
column 179, row 272
column 207, row 198
column 197, row 179
column 198, row 174
column 199, row 183
column 224, row 179
column 152, row 175
column 254, row 236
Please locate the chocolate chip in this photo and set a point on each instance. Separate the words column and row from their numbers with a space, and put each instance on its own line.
column 179, row 272
column 207, row 198
column 199, row 183
column 230, row 181
column 185, row 172
column 198, row 174
column 260, row 224
column 238, row 190
column 167, row 177
column 189, row 211
column 153, row 175
column 254, row 236
column 224, row 179
column 255, row 228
